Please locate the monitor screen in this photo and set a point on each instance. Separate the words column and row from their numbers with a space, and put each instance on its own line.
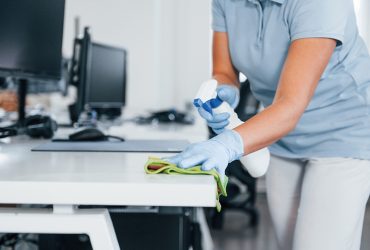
column 106, row 77
column 31, row 34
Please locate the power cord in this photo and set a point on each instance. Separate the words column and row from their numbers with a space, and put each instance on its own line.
column 11, row 240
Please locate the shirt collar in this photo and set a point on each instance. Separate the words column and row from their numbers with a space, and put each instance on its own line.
column 276, row 1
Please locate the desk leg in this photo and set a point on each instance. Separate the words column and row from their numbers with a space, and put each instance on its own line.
column 62, row 220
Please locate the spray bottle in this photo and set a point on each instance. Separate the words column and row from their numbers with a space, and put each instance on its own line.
column 256, row 163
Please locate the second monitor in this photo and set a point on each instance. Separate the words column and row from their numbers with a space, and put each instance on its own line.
column 106, row 77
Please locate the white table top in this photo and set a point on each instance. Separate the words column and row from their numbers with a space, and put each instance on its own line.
column 95, row 178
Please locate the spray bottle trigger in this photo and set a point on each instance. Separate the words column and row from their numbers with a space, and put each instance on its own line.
column 208, row 105
column 205, row 105
column 216, row 102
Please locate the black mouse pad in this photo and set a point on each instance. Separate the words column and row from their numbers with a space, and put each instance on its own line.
column 139, row 146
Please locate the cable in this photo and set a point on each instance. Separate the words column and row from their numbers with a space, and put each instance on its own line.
column 11, row 240
column 114, row 137
column 11, row 130
column 8, row 240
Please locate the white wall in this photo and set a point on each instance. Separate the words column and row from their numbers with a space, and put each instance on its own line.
column 167, row 40
column 363, row 19
column 193, row 51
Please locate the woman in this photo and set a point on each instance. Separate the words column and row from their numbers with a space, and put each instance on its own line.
column 307, row 64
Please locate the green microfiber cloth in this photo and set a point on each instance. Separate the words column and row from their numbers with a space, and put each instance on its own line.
column 157, row 166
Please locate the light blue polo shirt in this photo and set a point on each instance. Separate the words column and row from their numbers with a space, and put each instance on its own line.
column 337, row 121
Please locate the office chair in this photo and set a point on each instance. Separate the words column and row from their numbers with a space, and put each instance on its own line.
column 241, row 188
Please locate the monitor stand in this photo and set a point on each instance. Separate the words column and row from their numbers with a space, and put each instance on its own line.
column 22, row 93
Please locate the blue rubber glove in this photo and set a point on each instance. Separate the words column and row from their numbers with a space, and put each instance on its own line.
column 218, row 122
column 215, row 153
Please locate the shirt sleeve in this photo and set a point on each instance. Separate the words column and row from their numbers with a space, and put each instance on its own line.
column 218, row 16
column 320, row 19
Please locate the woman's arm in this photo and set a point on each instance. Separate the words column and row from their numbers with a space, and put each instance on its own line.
column 223, row 69
column 305, row 63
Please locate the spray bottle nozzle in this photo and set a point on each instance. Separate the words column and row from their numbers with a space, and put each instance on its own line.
column 208, row 105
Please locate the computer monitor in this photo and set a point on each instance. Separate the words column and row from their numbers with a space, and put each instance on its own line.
column 106, row 77
column 31, row 35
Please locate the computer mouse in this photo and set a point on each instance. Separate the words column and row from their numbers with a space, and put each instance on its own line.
column 88, row 134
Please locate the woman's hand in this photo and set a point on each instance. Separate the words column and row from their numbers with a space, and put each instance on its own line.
column 218, row 122
column 215, row 153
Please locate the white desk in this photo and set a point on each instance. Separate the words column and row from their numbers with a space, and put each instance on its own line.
column 69, row 179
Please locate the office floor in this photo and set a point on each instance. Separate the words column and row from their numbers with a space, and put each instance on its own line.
column 236, row 236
